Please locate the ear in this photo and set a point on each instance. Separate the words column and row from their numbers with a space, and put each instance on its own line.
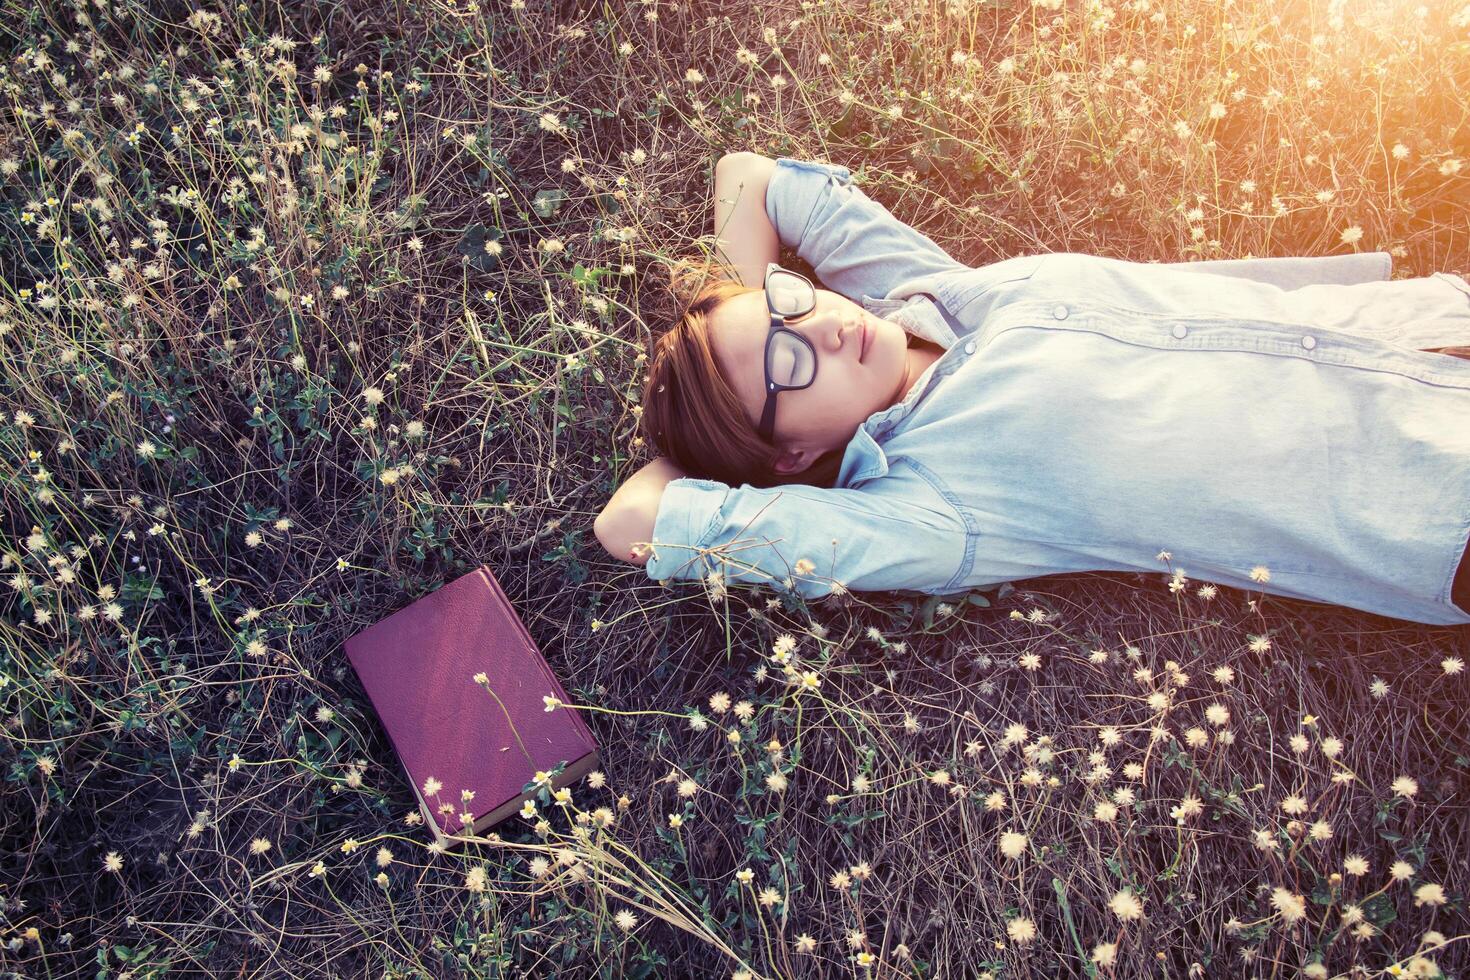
column 794, row 460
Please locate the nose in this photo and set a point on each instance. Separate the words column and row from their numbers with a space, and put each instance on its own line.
column 855, row 334
column 835, row 330
column 843, row 329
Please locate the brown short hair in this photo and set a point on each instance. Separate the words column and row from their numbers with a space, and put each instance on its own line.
column 692, row 414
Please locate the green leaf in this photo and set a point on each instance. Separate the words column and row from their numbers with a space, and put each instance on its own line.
column 583, row 276
column 136, row 588
column 548, row 202
column 845, row 124
column 1061, row 890
column 1322, row 893
column 1379, row 910
column 472, row 244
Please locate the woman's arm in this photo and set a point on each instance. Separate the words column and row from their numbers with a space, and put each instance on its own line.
column 745, row 239
column 853, row 244
column 868, row 538
column 630, row 514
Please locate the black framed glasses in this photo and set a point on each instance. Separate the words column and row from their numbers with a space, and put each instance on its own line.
column 791, row 360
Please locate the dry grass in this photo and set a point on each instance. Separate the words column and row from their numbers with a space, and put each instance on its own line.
column 263, row 384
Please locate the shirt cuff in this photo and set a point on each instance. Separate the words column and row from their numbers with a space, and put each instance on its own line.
column 688, row 514
column 793, row 193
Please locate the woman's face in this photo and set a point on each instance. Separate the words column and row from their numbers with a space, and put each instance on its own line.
column 849, row 385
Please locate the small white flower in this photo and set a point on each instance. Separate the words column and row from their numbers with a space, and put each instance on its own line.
column 1013, row 844
column 1126, row 905
column 1429, row 894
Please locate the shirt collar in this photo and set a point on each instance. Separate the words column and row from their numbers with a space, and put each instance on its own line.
column 920, row 315
column 864, row 458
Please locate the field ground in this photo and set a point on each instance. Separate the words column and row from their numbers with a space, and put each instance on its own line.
column 307, row 308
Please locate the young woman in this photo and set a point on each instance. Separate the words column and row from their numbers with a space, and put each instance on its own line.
column 1288, row 425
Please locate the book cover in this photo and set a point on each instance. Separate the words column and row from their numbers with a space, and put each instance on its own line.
column 417, row 667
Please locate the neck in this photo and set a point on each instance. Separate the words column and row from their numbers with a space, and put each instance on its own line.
column 917, row 358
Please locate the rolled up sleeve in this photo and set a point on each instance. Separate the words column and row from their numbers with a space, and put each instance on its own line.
column 863, row 540
column 686, row 518
column 853, row 243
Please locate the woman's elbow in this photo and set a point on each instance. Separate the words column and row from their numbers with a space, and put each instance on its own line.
column 617, row 535
column 737, row 158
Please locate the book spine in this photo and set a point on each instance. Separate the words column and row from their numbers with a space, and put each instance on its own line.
column 575, row 770
column 429, row 815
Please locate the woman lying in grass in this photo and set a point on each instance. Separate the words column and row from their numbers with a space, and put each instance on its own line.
column 1289, row 425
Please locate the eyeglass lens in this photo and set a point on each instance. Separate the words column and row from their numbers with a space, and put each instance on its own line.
column 789, row 360
column 790, row 295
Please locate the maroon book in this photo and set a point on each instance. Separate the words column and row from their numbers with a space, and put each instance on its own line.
column 418, row 667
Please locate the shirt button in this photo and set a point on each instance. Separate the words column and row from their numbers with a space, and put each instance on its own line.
column 1309, row 342
column 970, row 347
column 1180, row 330
column 1059, row 311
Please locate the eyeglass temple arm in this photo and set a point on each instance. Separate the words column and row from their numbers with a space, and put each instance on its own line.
column 768, row 415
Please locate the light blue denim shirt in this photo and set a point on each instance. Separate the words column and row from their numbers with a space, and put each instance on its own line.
column 1089, row 413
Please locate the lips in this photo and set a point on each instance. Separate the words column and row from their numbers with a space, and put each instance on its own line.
column 864, row 339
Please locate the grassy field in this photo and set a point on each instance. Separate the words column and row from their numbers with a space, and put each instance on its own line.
column 307, row 308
